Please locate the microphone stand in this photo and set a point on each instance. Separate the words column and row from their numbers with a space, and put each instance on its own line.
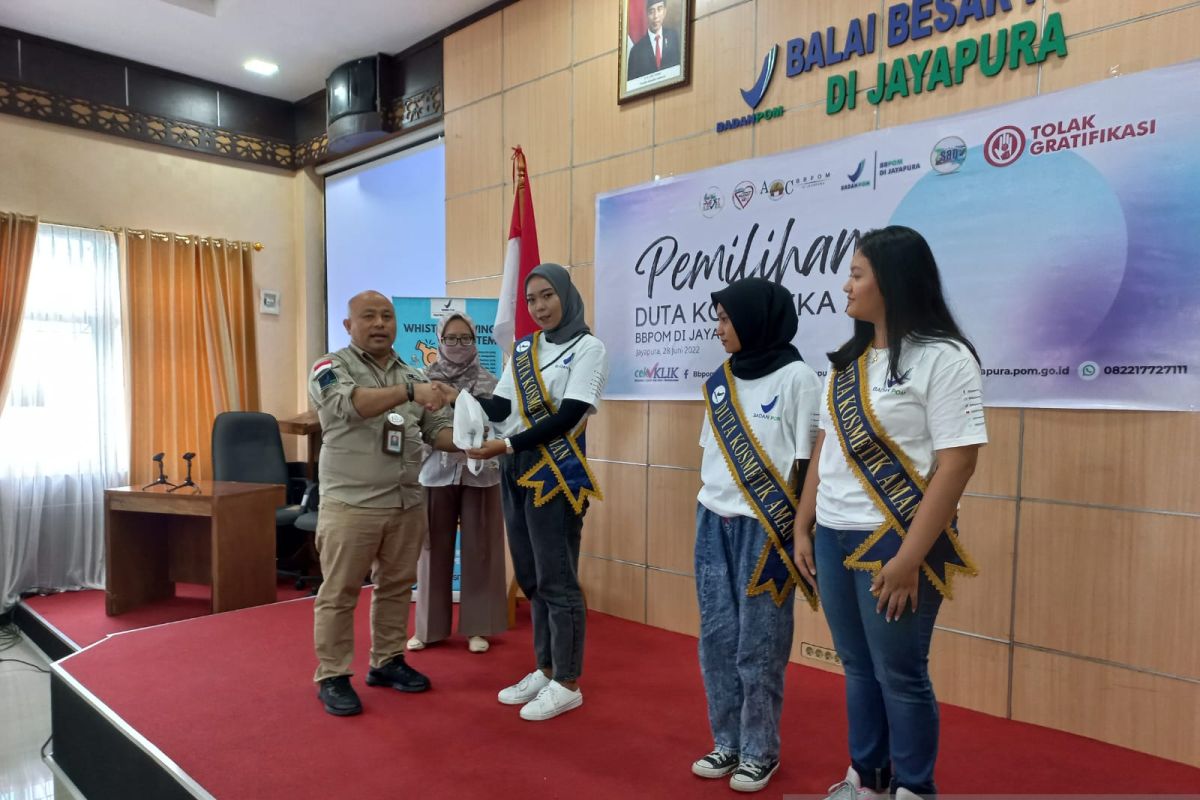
column 188, row 480
column 161, row 480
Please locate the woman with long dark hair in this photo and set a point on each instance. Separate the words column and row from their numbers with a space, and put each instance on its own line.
column 901, row 428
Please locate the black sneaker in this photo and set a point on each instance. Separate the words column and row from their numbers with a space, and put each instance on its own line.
column 751, row 777
column 339, row 696
column 398, row 675
column 715, row 765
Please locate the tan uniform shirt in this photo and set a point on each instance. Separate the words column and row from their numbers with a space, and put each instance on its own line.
column 354, row 467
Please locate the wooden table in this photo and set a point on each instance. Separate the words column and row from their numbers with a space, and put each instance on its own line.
column 306, row 424
column 224, row 537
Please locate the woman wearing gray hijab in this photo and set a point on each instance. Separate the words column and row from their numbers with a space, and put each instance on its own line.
column 549, row 387
column 459, row 500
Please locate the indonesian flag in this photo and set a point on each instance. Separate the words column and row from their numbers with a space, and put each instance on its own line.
column 635, row 27
column 512, row 317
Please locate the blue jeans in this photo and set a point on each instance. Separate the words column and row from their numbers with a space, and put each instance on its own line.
column 744, row 641
column 892, row 712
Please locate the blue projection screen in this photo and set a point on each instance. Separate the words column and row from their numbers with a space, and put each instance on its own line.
column 385, row 229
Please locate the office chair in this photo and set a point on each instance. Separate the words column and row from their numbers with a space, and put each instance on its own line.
column 307, row 522
column 247, row 447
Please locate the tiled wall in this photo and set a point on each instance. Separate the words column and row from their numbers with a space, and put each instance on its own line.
column 1086, row 524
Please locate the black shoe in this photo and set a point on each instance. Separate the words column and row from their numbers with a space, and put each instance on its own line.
column 751, row 777
column 398, row 675
column 339, row 696
column 716, row 764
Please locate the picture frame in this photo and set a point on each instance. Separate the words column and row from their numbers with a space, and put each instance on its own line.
column 650, row 62
column 268, row 301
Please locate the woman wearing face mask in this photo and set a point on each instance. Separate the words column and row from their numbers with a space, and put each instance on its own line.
column 901, row 428
column 762, row 418
column 549, row 387
column 459, row 500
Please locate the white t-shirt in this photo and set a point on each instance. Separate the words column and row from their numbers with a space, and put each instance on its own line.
column 937, row 404
column 783, row 410
column 576, row 370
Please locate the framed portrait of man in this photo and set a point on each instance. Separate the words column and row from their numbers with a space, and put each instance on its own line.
column 654, row 47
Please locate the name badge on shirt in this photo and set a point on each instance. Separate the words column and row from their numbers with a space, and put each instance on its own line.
column 393, row 434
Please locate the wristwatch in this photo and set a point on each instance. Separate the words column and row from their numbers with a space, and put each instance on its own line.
column 508, row 446
column 408, row 387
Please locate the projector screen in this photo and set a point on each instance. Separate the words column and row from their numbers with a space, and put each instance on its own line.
column 385, row 229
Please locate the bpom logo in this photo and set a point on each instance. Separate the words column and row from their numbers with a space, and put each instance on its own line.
column 1004, row 146
column 718, row 395
column 754, row 95
column 853, row 176
column 766, row 407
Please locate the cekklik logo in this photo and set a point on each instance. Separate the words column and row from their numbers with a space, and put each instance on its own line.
column 656, row 374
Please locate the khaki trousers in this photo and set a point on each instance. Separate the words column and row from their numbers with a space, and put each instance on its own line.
column 483, row 599
column 352, row 540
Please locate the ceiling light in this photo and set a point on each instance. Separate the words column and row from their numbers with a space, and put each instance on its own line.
column 257, row 65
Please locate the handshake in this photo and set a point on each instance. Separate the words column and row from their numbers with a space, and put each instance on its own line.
column 434, row 395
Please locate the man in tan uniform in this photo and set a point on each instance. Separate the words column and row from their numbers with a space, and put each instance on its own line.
column 375, row 412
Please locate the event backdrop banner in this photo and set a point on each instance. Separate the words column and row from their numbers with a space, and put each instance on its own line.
column 416, row 328
column 1065, row 227
column 416, row 344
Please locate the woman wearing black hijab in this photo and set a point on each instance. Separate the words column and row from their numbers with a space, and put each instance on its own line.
column 763, row 406
column 549, row 387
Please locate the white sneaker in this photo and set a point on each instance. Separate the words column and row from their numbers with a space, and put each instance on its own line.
column 478, row 644
column 415, row 644
column 552, row 700
column 852, row 789
column 905, row 794
column 524, row 690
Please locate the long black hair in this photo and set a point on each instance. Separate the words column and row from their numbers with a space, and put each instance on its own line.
column 908, row 280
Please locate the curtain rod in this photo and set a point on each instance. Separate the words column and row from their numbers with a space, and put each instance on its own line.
column 162, row 237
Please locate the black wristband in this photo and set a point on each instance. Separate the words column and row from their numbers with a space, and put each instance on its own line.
column 408, row 387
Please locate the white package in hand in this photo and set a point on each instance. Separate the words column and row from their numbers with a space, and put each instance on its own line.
column 469, row 422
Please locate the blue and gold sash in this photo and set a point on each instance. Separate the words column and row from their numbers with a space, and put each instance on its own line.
column 563, row 464
column 766, row 492
column 891, row 482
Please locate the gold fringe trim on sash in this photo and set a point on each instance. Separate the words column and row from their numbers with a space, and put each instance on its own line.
column 754, row 588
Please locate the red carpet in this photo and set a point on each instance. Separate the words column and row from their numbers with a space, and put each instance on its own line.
column 80, row 615
column 229, row 698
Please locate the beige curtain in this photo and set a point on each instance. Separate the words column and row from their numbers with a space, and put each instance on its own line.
column 18, row 235
column 192, row 346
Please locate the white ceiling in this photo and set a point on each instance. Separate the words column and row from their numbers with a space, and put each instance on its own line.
column 211, row 39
